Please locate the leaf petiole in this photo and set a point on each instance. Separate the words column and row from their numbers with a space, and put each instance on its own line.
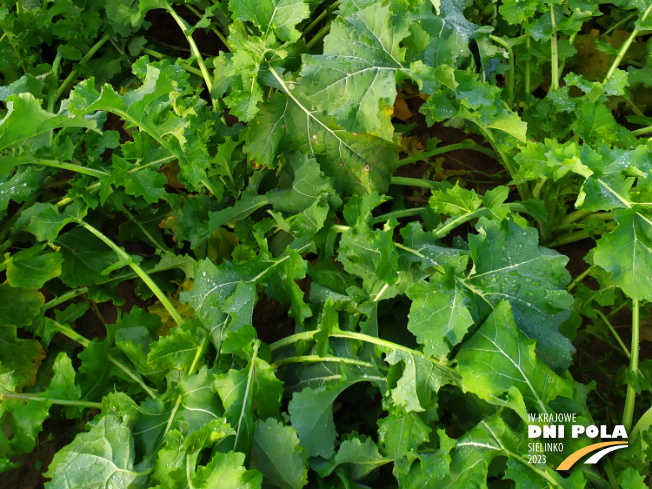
column 136, row 268
column 630, row 399
column 60, row 402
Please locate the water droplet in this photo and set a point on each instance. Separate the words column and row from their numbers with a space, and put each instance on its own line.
column 203, row 274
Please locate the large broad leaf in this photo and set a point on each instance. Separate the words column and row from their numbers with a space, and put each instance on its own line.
column 626, row 252
column 498, row 357
column 357, row 71
column 509, row 265
column 279, row 456
column 357, row 163
column 102, row 457
column 277, row 16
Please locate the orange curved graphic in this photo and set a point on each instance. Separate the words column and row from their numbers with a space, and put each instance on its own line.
column 575, row 456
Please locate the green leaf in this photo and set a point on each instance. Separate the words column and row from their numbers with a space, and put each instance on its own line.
column 226, row 471
column 401, row 433
column 631, row 479
column 241, row 390
column 178, row 349
column 626, row 252
column 19, row 306
column 29, row 268
column 102, row 457
column 26, row 119
column 419, row 380
column 358, row 163
column 85, row 258
column 595, row 123
column 360, row 456
column 357, row 71
column 277, row 16
column 153, row 108
column 278, row 455
column 498, row 357
column 311, row 413
column 20, row 186
column 454, row 201
column 510, row 265
column 439, row 315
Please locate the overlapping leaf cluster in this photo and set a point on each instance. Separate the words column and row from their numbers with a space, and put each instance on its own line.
column 420, row 337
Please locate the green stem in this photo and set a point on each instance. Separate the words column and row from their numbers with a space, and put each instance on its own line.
column 71, row 294
column 642, row 130
column 536, row 191
column 131, row 375
column 625, row 47
column 527, row 72
column 454, row 222
column 185, row 66
column 318, row 359
column 193, row 49
column 417, row 211
column 317, row 37
column 73, row 73
column 578, row 279
column 139, row 271
column 71, row 333
column 574, row 217
column 288, row 340
column 320, row 17
column 628, row 411
column 415, row 182
column 61, row 402
column 554, row 57
column 61, row 165
column 445, row 149
column 615, row 334
column 510, row 75
column 576, row 236
column 395, row 346
column 619, row 23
